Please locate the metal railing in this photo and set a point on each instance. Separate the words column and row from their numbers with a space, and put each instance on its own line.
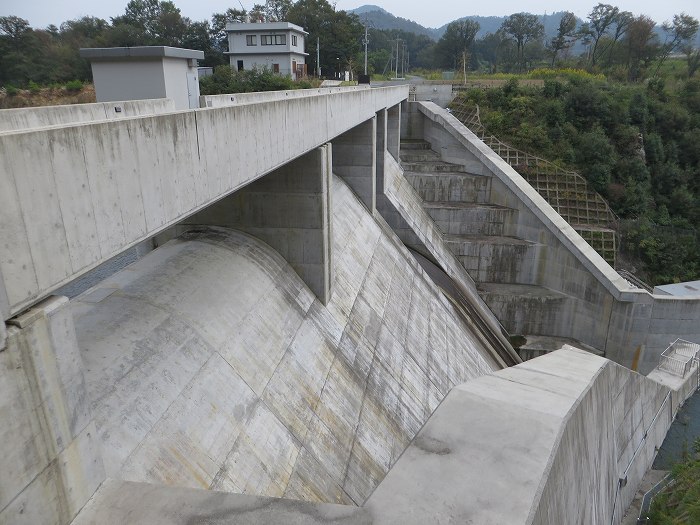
column 680, row 357
column 635, row 281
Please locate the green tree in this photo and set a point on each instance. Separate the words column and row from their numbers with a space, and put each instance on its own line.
column 641, row 45
column 679, row 33
column 19, row 51
column 494, row 49
column 14, row 29
column 523, row 28
column 566, row 35
column 455, row 44
column 217, row 29
column 595, row 157
column 339, row 33
column 155, row 22
column 601, row 19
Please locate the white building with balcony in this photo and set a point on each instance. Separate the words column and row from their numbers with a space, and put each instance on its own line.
column 278, row 46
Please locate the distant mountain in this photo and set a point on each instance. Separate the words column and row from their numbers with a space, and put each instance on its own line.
column 368, row 9
column 381, row 19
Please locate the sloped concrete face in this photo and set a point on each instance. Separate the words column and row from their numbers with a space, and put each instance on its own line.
column 210, row 364
column 129, row 502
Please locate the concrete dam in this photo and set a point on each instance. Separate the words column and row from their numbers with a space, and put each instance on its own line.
column 314, row 327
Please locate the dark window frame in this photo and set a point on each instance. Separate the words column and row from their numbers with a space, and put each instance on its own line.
column 273, row 40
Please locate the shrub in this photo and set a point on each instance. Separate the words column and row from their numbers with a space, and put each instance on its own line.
column 567, row 73
column 11, row 90
column 226, row 80
column 34, row 87
column 74, row 85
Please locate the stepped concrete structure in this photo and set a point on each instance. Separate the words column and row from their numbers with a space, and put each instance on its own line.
column 313, row 327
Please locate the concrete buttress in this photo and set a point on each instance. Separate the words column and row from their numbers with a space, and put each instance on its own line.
column 51, row 462
column 290, row 210
column 355, row 160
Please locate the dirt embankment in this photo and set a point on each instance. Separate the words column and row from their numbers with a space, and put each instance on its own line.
column 51, row 96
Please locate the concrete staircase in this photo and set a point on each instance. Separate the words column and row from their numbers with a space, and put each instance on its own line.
column 482, row 235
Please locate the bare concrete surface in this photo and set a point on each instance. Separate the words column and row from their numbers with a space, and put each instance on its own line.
column 539, row 443
column 23, row 119
column 210, row 364
column 128, row 503
column 537, row 345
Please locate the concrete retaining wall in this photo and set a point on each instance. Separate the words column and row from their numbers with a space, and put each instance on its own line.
column 440, row 94
column 602, row 309
column 41, row 117
column 76, row 196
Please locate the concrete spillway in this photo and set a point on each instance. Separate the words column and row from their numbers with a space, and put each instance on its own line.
column 210, row 364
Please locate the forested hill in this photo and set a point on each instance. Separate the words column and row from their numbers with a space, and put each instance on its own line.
column 378, row 18
column 382, row 19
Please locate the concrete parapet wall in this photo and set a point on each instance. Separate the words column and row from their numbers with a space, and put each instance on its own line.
column 41, row 117
column 236, row 99
column 77, row 195
column 605, row 311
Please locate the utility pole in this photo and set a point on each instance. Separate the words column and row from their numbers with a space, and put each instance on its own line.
column 403, row 61
column 318, row 60
column 366, row 42
column 464, row 65
column 397, row 57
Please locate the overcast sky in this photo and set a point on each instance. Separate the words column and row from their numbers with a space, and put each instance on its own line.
column 41, row 13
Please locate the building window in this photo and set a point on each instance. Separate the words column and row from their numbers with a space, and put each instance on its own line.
column 251, row 40
column 275, row 68
column 294, row 40
column 273, row 40
column 240, row 65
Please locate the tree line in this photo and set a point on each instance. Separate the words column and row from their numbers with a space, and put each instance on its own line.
column 618, row 42
column 51, row 54
column 630, row 46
